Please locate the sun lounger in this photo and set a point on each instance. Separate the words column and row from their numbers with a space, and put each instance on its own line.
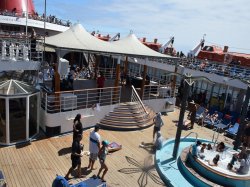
column 232, row 131
column 199, row 112
column 207, row 122
column 224, row 123
column 60, row 181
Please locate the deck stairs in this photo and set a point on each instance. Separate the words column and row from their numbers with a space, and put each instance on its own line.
column 127, row 117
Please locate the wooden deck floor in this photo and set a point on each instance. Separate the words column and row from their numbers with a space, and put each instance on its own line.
column 37, row 164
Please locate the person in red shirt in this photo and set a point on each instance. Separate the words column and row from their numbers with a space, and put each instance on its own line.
column 100, row 84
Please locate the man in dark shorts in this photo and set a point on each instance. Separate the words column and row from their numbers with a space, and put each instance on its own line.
column 76, row 156
column 192, row 114
column 158, row 124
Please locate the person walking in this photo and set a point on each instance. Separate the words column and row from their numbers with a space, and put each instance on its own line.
column 76, row 156
column 94, row 146
column 158, row 124
column 77, row 126
column 192, row 114
column 102, row 157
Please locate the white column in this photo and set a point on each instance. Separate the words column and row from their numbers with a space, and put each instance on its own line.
column 119, row 60
column 27, row 117
column 7, row 120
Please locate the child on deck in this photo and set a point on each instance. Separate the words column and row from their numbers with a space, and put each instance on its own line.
column 102, row 156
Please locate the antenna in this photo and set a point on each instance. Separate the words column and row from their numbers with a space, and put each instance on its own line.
column 204, row 35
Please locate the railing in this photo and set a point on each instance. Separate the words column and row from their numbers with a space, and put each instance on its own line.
column 79, row 99
column 136, row 99
column 109, row 73
column 157, row 91
column 49, row 19
column 16, row 49
column 234, row 71
column 215, row 138
column 196, row 135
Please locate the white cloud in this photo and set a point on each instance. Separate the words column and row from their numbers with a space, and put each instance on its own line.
column 225, row 22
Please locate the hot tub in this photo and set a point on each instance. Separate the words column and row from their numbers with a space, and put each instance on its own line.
column 220, row 174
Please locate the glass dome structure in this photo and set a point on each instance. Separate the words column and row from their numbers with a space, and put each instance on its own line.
column 19, row 112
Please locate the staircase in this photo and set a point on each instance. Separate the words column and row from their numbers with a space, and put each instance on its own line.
column 128, row 117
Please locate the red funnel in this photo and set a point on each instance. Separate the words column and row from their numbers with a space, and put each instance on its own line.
column 18, row 6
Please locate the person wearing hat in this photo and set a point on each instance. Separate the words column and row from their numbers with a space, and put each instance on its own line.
column 94, row 146
column 102, row 157
column 192, row 114
column 158, row 124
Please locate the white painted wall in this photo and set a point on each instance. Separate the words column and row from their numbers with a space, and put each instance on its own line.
column 158, row 105
column 65, row 119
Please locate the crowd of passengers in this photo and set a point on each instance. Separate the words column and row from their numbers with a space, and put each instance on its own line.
column 36, row 16
column 243, row 157
column 233, row 69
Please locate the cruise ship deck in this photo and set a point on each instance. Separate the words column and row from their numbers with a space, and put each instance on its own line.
column 37, row 163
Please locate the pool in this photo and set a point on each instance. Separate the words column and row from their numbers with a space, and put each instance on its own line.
column 175, row 173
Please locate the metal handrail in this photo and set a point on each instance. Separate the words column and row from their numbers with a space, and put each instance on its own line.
column 196, row 135
column 139, row 99
column 215, row 139
column 54, row 102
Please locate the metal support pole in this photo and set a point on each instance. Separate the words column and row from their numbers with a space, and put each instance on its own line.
column 181, row 117
column 174, row 81
column 242, row 119
column 145, row 68
column 211, row 96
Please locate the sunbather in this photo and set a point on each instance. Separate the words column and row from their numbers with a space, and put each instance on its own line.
column 212, row 118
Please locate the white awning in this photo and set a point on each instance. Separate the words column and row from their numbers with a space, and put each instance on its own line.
column 77, row 38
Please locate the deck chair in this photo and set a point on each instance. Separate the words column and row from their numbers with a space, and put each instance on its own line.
column 232, row 131
column 199, row 112
column 207, row 122
column 60, row 181
column 2, row 180
column 224, row 123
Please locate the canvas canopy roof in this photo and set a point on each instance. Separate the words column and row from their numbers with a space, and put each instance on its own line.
column 77, row 38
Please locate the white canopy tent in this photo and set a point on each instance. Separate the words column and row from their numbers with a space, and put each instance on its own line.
column 78, row 39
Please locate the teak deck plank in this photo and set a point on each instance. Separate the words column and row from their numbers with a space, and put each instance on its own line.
column 37, row 164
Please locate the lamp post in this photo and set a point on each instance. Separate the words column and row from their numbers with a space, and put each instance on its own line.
column 187, row 84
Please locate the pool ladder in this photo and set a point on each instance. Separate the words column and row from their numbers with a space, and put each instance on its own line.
column 196, row 135
column 215, row 136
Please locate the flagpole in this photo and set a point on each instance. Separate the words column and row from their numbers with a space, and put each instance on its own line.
column 44, row 34
column 26, row 26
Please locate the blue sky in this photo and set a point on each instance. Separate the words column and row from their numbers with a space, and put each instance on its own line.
column 225, row 22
